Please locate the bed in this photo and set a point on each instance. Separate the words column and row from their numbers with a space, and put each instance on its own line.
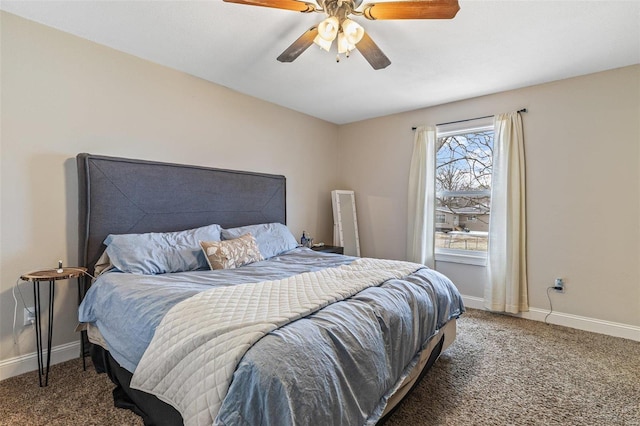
column 204, row 309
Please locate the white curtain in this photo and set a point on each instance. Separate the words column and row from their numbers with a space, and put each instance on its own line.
column 421, row 207
column 506, row 289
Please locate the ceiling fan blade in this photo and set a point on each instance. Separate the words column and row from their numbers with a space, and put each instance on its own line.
column 299, row 6
column 413, row 9
column 372, row 53
column 300, row 45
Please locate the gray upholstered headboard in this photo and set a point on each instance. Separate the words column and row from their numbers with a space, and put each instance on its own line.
column 121, row 196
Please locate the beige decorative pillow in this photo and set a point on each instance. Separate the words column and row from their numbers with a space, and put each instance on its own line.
column 231, row 253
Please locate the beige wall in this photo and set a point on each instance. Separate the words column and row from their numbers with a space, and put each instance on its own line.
column 62, row 95
column 582, row 139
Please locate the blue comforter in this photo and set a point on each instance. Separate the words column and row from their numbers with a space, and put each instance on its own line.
column 336, row 366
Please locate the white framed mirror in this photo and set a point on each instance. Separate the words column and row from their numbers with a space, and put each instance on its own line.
column 345, row 222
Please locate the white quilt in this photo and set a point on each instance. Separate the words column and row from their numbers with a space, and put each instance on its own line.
column 200, row 341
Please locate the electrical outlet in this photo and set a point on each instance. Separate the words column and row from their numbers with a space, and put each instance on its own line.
column 29, row 315
column 559, row 285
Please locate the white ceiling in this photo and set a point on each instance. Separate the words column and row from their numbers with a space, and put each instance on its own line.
column 490, row 46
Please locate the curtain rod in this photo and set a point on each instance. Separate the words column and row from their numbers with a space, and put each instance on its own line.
column 469, row 119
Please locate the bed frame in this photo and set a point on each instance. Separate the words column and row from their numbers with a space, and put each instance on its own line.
column 120, row 195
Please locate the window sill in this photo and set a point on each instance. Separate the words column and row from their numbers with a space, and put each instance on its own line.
column 466, row 257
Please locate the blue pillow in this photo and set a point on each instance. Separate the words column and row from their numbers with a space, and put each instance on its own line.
column 272, row 238
column 158, row 253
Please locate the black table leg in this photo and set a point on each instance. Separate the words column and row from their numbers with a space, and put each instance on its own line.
column 52, row 288
column 38, row 323
column 36, row 308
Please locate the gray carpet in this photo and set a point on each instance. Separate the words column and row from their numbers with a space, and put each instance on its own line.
column 500, row 371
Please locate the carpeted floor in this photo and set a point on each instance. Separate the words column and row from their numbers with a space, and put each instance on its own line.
column 500, row 371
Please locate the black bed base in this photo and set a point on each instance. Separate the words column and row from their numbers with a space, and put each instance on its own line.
column 155, row 412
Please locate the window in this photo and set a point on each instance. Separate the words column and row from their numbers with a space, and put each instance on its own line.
column 464, row 163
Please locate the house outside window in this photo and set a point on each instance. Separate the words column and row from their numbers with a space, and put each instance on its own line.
column 464, row 164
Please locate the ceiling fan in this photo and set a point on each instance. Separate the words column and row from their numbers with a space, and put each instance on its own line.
column 349, row 33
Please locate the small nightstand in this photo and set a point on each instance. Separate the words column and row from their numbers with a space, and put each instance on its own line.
column 329, row 249
column 51, row 275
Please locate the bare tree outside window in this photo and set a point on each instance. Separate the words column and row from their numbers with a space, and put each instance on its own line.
column 464, row 164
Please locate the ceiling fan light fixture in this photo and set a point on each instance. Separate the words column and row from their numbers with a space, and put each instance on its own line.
column 327, row 32
column 352, row 31
column 343, row 44
column 325, row 44
column 328, row 29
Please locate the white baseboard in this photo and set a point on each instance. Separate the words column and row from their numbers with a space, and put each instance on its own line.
column 609, row 328
column 29, row 362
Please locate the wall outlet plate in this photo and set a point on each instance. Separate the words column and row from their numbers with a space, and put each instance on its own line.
column 29, row 315
column 559, row 285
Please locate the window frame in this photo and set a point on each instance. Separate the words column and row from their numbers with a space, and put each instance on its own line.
column 468, row 257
